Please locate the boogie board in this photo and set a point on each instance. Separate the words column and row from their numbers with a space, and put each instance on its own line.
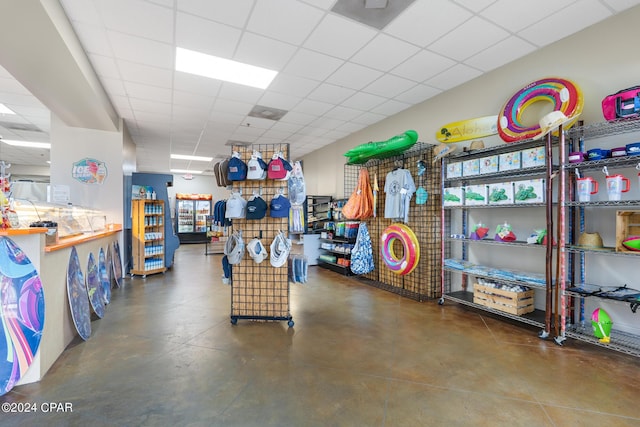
column 78, row 297
column 105, row 278
column 21, row 314
column 94, row 287
column 465, row 130
column 116, row 261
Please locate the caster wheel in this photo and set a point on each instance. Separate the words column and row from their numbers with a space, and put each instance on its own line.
column 543, row 335
column 234, row 320
column 559, row 341
column 441, row 301
column 290, row 323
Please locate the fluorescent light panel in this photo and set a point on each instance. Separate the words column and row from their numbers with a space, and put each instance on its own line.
column 27, row 144
column 201, row 64
column 194, row 158
column 185, row 171
column 5, row 110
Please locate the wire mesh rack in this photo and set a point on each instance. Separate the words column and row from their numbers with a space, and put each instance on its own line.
column 424, row 281
column 260, row 291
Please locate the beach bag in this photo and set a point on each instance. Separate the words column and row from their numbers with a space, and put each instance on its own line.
column 362, row 252
column 297, row 188
column 622, row 104
column 360, row 204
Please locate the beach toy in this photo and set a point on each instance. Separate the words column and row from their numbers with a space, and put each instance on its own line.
column 504, row 233
column 619, row 152
column 410, row 249
column 601, row 323
column 633, row 149
column 565, row 96
column 632, row 243
column 577, row 157
column 479, row 232
column 597, row 154
column 382, row 149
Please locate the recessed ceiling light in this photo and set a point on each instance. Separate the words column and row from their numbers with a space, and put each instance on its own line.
column 5, row 110
column 194, row 158
column 27, row 144
column 227, row 70
column 185, row 171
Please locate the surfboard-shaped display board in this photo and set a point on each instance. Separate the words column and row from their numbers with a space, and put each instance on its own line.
column 78, row 296
column 116, row 262
column 94, row 287
column 105, row 278
column 466, row 130
column 21, row 313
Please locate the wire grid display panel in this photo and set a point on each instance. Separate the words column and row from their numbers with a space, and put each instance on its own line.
column 260, row 291
column 424, row 282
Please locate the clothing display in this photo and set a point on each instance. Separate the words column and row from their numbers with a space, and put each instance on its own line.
column 399, row 188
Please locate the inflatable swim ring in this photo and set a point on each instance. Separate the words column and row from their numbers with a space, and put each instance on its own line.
column 410, row 247
column 565, row 96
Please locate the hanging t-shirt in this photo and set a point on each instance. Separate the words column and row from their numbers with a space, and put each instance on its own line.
column 399, row 188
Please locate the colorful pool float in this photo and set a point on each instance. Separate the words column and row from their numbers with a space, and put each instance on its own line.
column 565, row 96
column 410, row 249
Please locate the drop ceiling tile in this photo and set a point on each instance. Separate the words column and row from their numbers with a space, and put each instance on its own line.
column 151, row 117
column 165, row 3
column 565, row 22
column 390, row 107
column 105, row 66
column 322, row 4
column 145, row 105
column 233, row 13
column 278, row 100
column 276, row 134
column 274, row 19
column 192, row 100
column 443, row 17
column 141, row 19
column 368, row 118
column 620, row 5
column 338, row 36
column 114, row 87
column 81, row 11
column 515, row 16
column 384, row 53
column 190, row 117
column 240, row 93
column 13, row 100
column 232, row 107
column 152, row 93
column 327, row 123
column 206, row 36
column 418, row 94
column 289, row 84
column 143, row 51
column 297, row 118
column 330, row 93
column 223, row 121
column 336, row 134
column 28, row 112
column 139, row 73
column 93, row 39
column 287, row 127
column 458, row 45
column 389, row 86
column 353, row 76
column 474, row 5
column 363, row 101
column 263, row 52
column 312, row 65
column 196, row 84
column 343, row 113
column 247, row 133
column 453, row 77
column 500, row 54
column 316, row 108
column 423, row 65
column 258, row 122
column 351, row 127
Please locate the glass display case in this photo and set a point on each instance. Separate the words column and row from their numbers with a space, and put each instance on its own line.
column 71, row 220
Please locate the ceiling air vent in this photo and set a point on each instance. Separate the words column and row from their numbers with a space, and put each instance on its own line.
column 269, row 113
column 374, row 13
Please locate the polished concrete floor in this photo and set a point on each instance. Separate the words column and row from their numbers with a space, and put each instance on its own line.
column 166, row 354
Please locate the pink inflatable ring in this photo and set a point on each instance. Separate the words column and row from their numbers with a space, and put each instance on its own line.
column 410, row 249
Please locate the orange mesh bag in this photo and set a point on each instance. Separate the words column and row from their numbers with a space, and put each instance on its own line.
column 360, row 204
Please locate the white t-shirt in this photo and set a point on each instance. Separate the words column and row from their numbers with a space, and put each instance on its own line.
column 399, row 188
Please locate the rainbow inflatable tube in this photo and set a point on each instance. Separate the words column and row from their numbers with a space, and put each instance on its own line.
column 410, row 247
column 565, row 96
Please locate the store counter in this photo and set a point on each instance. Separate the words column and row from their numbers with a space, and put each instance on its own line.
column 52, row 262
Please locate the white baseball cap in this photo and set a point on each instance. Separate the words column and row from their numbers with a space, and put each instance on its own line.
column 257, row 251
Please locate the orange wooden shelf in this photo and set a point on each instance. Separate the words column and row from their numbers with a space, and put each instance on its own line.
column 70, row 241
column 22, row 231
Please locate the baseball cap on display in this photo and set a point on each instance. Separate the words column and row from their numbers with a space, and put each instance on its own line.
column 279, row 207
column 257, row 168
column 257, row 251
column 256, row 208
column 236, row 207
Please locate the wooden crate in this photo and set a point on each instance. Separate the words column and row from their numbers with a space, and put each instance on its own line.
column 517, row 303
column 627, row 224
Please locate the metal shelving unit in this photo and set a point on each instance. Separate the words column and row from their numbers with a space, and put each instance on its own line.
column 578, row 215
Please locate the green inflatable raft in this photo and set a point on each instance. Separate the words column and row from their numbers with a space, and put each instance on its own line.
column 382, row 149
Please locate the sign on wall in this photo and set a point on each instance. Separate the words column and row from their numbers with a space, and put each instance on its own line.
column 89, row 171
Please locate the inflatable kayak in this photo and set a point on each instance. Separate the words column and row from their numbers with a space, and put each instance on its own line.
column 382, row 149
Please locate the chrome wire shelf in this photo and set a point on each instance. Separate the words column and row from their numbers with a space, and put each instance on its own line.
column 494, row 242
column 521, row 173
column 601, row 129
column 613, row 161
column 466, row 298
column 519, row 205
column 498, row 149
column 603, row 203
column 496, row 279
column 606, row 250
column 620, row 341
